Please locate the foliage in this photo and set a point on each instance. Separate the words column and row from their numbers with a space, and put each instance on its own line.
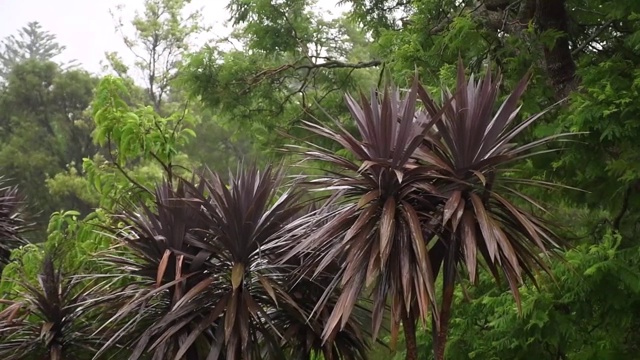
column 73, row 240
column 32, row 43
column 607, row 111
column 281, row 61
column 50, row 318
column 71, row 183
column 285, row 64
column 209, row 245
column 162, row 36
column 426, row 194
column 132, row 136
column 588, row 311
column 44, row 105
column 48, row 311
column 12, row 222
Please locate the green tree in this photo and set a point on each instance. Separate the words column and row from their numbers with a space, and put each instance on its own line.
column 45, row 128
column 49, row 308
column 163, row 34
column 281, row 64
column 139, row 146
column 588, row 311
column 31, row 43
column 161, row 38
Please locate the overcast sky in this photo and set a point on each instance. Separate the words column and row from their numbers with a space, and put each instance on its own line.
column 87, row 29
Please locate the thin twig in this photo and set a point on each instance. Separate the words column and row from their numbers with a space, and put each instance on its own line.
column 122, row 171
column 592, row 37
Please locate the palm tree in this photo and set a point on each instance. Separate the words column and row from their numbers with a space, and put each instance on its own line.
column 53, row 319
column 419, row 195
column 208, row 283
column 375, row 227
column 164, row 276
column 470, row 149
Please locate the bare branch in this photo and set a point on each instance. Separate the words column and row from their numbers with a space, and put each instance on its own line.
column 592, row 37
column 336, row 64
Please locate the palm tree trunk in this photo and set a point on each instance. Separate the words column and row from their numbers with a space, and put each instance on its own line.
column 440, row 342
column 55, row 352
column 448, row 287
column 409, row 327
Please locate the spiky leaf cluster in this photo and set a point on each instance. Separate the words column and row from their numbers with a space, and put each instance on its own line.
column 421, row 194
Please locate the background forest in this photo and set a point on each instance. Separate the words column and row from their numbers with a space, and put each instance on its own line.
column 101, row 251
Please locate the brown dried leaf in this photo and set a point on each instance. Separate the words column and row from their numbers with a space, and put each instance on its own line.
column 452, row 204
column 162, row 267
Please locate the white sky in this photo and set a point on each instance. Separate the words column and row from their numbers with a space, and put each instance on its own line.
column 87, row 29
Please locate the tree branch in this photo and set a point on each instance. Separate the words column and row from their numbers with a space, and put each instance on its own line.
column 331, row 64
column 625, row 206
column 122, row 170
column 336, row 64
column 592, row 37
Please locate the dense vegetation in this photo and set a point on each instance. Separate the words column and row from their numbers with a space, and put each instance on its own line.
column 239, row 201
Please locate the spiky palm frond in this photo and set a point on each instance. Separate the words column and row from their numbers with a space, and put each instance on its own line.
column 376, row 228
column 53, row 319
column 303, row 326
column 162, row 268
column 210, row 283
column 470, row 148
column 12, row 222
column 424, row 193
column 245, row 219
